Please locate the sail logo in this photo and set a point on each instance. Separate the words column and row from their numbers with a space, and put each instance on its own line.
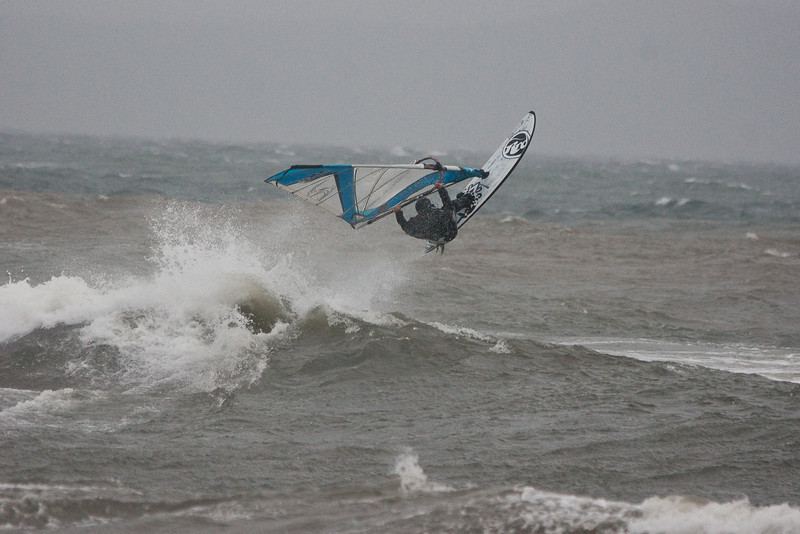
column 516, row 146
column 320, row 192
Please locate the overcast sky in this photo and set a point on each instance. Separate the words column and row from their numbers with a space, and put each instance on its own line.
column 636, row 79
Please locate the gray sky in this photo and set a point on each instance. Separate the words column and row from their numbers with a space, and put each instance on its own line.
column 684, row 79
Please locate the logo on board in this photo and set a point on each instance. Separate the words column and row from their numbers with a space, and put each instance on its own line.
column 516, row 145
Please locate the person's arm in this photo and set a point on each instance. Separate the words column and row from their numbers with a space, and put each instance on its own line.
column 445, row 196
column 401, row 219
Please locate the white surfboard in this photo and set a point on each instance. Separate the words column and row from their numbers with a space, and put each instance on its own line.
column 500, row 166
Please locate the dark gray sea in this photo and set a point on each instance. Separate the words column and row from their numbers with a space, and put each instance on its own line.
column 609, row 346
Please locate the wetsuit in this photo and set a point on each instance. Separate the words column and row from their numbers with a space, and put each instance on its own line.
column 435, row 224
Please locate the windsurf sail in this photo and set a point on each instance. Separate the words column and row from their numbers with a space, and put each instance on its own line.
column 361, row 194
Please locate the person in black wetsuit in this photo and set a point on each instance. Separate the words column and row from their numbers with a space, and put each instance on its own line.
column 437, row 225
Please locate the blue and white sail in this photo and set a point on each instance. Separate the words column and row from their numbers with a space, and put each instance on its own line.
column 361, row 194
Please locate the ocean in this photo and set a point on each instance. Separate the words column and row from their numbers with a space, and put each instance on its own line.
column 609, row 346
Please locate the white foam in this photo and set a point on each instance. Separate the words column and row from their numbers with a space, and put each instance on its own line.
column 61, row 300
column 770, row 362
column 33, row 165
column 412, row 478
column 777, row 253
column 224, row 512
column 730, row 185
column 461, row 331
column 329, row 266
column 338, row 319
column 669, row 201
column 36, row 506
column 501, row 347
column 680, row 515
column 11, row 396
column 47, row 403
column 557, row 513
column 65, row 490
column 183, row 322
column 526, row 508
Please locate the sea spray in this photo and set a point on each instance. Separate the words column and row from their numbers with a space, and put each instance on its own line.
column 412, row 478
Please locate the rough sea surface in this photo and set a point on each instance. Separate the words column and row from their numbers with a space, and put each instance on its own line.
column 609, row 346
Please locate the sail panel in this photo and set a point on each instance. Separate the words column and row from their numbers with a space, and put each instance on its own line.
column 361, row 193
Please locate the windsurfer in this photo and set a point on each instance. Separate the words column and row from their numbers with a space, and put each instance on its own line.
column 437, row 225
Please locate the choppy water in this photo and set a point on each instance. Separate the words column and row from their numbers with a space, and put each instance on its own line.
column 609, row 347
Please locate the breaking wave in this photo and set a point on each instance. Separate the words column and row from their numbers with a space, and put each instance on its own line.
column 208, row 313
column 529, row 509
